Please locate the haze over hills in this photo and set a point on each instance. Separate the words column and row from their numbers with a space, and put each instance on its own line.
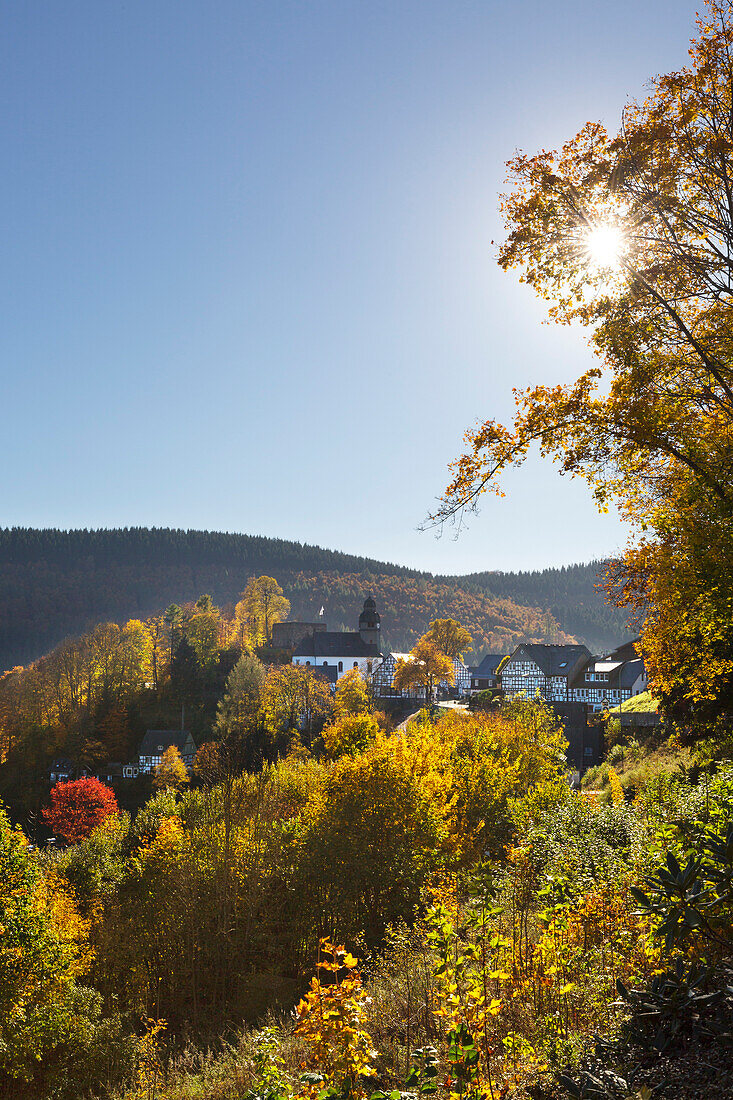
column 572, row 594
column 58, row 583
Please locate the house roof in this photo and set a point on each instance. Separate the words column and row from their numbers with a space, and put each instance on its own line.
column 335, row 643
column 157, row 741
column 555, row 660
column 627, row 651
column 326, row 672
column 488, row 665
column 630, row 672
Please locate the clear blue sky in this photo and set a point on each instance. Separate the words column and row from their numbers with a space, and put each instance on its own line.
column 247, row 281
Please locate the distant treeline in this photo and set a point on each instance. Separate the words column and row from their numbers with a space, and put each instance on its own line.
column 573, row 595
column 54, row 584
column 408, row 605
column 59, row 583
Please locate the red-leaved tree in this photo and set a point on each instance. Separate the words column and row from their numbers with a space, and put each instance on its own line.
column 78, row 807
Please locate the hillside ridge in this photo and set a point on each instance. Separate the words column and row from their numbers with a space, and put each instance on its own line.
column 55, row 583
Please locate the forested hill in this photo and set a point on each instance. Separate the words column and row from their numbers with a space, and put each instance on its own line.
column 58, row 583
column 572, row 594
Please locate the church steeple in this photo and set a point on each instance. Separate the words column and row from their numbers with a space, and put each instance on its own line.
column 369, row 623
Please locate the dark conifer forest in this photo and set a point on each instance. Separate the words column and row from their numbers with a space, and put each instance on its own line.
column 58, row 583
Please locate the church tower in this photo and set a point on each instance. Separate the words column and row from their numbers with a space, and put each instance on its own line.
column 369, row 623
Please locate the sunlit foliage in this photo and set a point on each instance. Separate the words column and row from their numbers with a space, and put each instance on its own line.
column 650, row 429
column 78, row 806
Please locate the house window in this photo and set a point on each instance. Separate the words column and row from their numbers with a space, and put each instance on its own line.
column 341, row 666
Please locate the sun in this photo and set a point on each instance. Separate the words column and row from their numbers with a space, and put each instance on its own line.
column 605, row 246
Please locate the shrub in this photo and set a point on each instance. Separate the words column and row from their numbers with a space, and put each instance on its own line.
column 351, row 733
column 42, row 1010
column 331, row 1022
column 370, row 837
column 482, row 700
column 477, row 768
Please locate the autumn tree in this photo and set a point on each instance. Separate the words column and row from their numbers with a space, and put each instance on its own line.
column 472, row 768
column 352, row 696
column 79, row 806
column 425, row 667
column 262, row 604
column 349, row 733
column 240, row 723
column 171, row 771
column 42, row 953
column 295, row 698
column 202, row 629
column 450, row 637
column 242, row 697
column 159, row 645
column 207, row 764
column 368, row 839
column 631, row 235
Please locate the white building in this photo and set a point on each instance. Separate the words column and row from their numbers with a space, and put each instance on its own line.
column 342, row 650
column 155, row 743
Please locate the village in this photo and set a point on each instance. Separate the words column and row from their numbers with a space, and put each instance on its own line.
column 579, row 687
column 366, row 632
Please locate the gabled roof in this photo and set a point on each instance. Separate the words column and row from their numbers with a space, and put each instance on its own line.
column 630, row 673
column 554, row 660
column 335, row 643
column 627, row 651
column 329, row 673
column 488, row 665
column 157, row 741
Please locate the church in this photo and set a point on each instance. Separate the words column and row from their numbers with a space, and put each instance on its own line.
column 335, row 652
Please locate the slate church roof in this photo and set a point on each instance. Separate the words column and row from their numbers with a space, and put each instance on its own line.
column 335, row 643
